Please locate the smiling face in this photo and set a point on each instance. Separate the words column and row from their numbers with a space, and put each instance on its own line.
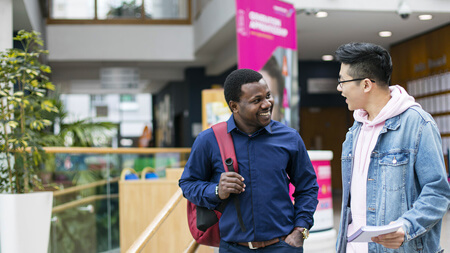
column 254, row 110
column 274, row 89
column 353, row 91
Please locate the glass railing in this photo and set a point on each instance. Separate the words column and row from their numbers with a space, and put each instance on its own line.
column 120, row 11
column 85, row 216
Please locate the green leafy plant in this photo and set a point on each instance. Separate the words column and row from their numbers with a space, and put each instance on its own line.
column 23, row 99
column 79, row 133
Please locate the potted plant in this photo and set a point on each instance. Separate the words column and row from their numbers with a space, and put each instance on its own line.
column 23, row 99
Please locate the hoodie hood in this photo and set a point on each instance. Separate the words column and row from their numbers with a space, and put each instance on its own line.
column 400, row 101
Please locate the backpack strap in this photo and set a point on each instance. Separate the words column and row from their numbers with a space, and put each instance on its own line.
column 228, row 154
column 226, row 145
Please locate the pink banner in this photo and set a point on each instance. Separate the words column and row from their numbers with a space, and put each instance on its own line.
column 323, row 217
column 323, row 172
column 262, row 27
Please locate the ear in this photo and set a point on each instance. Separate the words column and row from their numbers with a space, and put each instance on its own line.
column 234, row 106
column 368, row 85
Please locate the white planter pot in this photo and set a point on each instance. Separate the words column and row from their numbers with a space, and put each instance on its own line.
column 25, row 222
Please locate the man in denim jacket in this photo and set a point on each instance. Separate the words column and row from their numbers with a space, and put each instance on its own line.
column 393, row 168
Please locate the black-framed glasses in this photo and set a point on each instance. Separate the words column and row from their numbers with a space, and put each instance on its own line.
column 357, row 79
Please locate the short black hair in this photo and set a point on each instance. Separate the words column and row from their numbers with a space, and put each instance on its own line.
column 366, row 60
column 235, row 80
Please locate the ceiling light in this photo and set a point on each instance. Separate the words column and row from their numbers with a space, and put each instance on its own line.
column 385, row 34
column 322, row 14
column 426, row 17
column 327, row 57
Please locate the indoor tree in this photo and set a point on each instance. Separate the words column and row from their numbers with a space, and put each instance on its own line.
column 24, row 85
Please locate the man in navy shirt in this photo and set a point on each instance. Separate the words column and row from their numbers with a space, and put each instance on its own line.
column 270, row 155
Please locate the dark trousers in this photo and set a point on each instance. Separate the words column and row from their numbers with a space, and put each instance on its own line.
column 279, row 247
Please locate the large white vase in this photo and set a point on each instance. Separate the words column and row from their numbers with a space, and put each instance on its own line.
column 25, row 222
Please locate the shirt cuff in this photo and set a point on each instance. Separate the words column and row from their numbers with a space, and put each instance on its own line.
column 211, row 194
column 302, row 224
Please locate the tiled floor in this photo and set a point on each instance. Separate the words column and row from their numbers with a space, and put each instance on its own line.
column 445, row 233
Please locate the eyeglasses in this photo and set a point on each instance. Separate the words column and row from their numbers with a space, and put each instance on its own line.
column 357, row 79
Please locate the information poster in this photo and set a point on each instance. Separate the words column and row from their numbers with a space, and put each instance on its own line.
column 323, row 217
column 267, row 42
column 214, row 108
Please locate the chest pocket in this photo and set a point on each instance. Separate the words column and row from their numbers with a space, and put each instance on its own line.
column 393, row 168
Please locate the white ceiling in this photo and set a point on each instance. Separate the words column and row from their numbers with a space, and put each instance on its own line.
column 316, row 36
column 319, row 36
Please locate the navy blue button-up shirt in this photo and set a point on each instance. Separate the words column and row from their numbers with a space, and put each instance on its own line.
column 268, row 160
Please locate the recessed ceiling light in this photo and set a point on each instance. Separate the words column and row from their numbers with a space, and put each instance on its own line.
column 385, row 34
column 327, row 57
column 321, row 14
column 426, row 17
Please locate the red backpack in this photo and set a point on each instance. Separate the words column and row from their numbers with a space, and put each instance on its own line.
column 204, row 223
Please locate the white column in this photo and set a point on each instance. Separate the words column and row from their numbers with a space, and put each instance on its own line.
column 6, row 24
column 6, row 37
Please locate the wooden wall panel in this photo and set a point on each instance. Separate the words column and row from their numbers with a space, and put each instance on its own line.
column 422, row 56
column 418, row 54
column 325, row 129
column 438, row 47
column 400, row 71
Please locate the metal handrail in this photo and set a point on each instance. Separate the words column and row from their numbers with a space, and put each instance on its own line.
column 82, row 150
column 84, row 186
column 150, row 231
column 79, row 202
column 192, row 248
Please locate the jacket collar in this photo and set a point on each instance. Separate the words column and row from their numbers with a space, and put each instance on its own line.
column 390, row 124
column 393, row 123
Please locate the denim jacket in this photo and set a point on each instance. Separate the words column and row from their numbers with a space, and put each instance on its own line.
column 406, row 182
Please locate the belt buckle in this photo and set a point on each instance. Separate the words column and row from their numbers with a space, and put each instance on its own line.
column 250, row 245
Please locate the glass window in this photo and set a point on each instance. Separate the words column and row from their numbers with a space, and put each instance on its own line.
column 166, row 9
column 101, row 111
column 73, row 9
column 98, row 99
column 116, row 9
column 127, row 98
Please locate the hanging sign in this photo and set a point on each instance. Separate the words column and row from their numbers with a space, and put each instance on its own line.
column 267, row 42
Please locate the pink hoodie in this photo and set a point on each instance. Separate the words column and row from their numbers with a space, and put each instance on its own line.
column 400, row 101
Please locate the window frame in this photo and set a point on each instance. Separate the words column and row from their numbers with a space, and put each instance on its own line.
column 121, row 21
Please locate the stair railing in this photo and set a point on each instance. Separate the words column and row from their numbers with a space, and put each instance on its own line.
column 151, row 229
